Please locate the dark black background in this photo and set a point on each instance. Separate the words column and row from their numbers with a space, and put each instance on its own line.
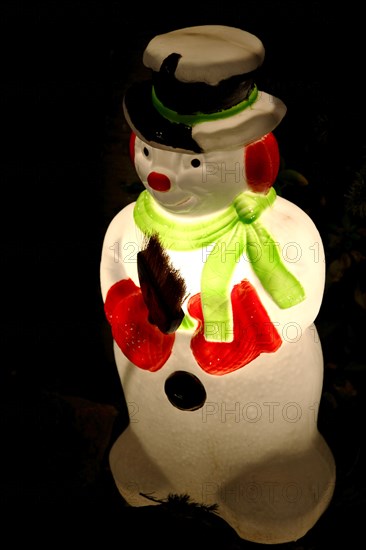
column 62, row 404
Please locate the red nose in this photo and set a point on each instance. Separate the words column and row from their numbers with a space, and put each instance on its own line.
column 158, row 182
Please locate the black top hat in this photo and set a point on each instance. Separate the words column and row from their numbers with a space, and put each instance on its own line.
column 202, row 95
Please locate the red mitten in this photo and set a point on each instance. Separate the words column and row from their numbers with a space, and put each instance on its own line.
column 253, row 333
column 140, row 341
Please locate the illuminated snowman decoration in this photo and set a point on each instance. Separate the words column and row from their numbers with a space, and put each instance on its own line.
column 211, row 285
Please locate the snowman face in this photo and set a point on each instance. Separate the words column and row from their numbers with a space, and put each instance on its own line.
column 190, row 184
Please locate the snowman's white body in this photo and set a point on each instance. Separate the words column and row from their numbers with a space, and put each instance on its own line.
column 253, row 448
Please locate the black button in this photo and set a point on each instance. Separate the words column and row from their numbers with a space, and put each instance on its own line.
column 185, row 391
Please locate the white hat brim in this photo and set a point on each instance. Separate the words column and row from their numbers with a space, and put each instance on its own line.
column 238, row 130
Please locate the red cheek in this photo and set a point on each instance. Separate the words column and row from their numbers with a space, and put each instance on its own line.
column 132, row 146
column 262, row 161
column 158, row 182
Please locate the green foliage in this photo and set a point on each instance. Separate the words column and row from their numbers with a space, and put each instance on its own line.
column 288, row 177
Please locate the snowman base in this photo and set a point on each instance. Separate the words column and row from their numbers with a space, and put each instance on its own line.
column 258, row 509
column 258, row 456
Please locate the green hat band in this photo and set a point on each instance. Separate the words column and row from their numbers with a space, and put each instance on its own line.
column 195, row 118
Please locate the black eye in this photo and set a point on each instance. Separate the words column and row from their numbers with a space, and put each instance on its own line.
column 146, row 152
column 195, row 163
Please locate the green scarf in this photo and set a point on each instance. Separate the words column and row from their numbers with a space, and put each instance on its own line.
column 227, row 235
